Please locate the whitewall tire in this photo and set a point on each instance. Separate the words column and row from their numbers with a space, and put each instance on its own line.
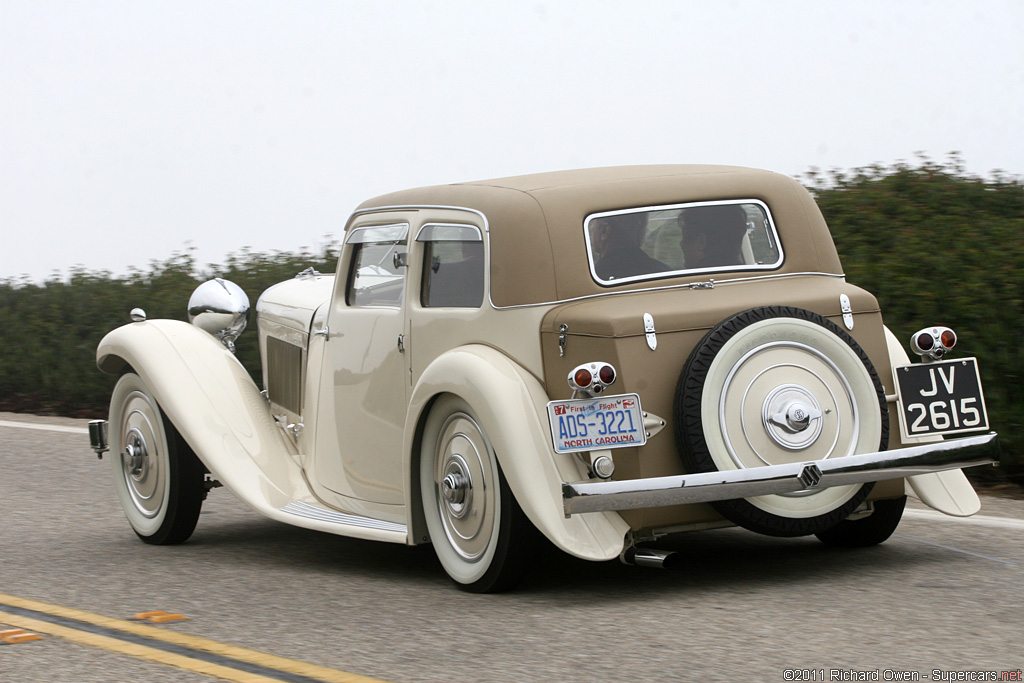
column 159, row 480
column 777, row 385
column 479, row 533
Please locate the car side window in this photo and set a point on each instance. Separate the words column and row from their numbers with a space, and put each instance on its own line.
column 377, row 274
column 453, row 266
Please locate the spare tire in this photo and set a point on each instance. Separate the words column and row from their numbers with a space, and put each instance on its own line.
column 774, row 385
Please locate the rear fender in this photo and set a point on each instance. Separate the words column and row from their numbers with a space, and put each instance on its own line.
column 948, row 491
column 511, row 406
column 210, row 398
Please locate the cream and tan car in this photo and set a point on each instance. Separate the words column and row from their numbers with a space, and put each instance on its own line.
column 604, row 356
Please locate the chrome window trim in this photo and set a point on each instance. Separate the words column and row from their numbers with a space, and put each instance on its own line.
column 395, row 232
column 478, row 236
column 416, row 207
column 773, row 236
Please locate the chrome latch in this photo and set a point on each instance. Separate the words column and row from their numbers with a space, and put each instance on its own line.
column 563, row 335
column 292, row 429
column 844, row 304
column 652, row 336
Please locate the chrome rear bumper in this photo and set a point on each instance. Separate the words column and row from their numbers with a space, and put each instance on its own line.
column 596, row 496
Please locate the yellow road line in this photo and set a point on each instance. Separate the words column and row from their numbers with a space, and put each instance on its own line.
column 242, row 654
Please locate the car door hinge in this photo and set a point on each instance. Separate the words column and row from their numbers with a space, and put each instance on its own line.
column 847, row 309
column 652, row 336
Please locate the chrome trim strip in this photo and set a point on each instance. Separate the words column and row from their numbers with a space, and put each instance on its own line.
column 593, row 496
column 688, row 285
column 301, row 509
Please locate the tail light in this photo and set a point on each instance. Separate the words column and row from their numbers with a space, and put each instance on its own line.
column 932, row 343
column 592, row 379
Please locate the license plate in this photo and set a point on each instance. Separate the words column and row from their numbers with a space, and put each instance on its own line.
column 940, row 398
column 597, row 423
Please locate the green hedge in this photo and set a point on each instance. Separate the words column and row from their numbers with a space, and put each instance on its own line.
column 935, row 245
column 49, row 332
column 939, row 247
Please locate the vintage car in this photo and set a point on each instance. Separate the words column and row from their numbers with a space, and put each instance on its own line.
column 604, row 356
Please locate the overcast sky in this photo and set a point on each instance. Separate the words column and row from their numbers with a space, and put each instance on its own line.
column 131, row 130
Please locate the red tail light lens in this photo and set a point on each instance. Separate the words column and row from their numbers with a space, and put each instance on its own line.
column 607, row 374
column 925, row 341
column 948, row 338
column 582, row 378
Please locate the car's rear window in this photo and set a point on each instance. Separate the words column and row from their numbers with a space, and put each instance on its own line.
column 663, row 241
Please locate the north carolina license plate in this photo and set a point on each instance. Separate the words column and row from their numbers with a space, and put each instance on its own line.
column 597, row 423
column 940, row 398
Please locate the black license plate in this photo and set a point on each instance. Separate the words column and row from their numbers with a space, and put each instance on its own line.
column 940, row 398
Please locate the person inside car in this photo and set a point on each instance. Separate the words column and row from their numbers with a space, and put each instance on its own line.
column 616, row 243
column 712, row 236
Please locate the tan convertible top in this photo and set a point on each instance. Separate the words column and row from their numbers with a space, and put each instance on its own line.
column 538, row 249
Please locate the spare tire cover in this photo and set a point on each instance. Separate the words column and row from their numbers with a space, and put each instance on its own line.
column 774, row 385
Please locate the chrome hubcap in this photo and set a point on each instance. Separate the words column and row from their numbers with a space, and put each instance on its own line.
column 792, row 417
column 457, row 487
column 135, row 455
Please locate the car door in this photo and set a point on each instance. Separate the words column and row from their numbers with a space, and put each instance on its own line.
column 364, row 388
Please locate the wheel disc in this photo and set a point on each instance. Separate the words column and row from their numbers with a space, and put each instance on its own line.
column 144, row 472
column 465, row 499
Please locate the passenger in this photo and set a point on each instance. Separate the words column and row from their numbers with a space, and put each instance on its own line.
column 712, row 236
column 615, row 241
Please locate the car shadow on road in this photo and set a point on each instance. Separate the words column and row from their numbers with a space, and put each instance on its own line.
column 711, row 560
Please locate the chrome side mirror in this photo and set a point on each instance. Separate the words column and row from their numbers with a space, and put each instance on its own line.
column 219, row 307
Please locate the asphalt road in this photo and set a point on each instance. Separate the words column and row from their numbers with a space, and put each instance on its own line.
column 941, row 596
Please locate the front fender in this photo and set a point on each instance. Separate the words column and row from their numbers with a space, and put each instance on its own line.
column 210, row 398
column 511, row 405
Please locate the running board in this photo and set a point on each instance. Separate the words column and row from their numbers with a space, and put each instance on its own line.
column 301, row 509
column 599, row 496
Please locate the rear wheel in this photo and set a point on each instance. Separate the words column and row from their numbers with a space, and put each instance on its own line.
column 478, row 531
column 870, row 530
column 777, row 385
column 159, row 480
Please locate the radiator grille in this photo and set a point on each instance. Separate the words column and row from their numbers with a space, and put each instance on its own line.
column 284, row 374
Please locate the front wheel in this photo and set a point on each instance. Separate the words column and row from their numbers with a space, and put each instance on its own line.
column 478, row 531
column 159, row 480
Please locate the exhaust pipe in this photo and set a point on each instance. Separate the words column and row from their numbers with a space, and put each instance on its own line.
column 649, row 557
